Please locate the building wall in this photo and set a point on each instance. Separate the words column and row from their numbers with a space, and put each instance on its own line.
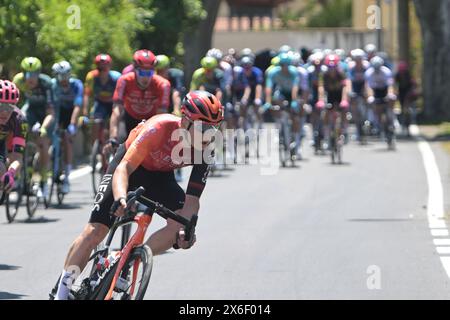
column 345, row 38
column 389, row 22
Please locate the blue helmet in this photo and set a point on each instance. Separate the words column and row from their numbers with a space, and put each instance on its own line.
column 285, row 59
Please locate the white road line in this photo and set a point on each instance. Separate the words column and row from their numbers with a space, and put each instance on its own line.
column 439, row 232
column 80, row 172
column 443, row 250
column 441, row 242
column 446, row 263
column 435, row 206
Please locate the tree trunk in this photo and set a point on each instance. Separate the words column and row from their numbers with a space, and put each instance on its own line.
column 403, row 30
column 198, row 41
column 434, row 19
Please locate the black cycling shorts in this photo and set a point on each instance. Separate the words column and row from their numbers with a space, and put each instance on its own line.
column 159, row 186
column 65, row 116
column 130, row 122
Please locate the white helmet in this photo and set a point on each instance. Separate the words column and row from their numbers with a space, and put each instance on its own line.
column 358, row 54
column 370, row 48
column 62, row 68
column 377, row 62
column 296, row 58
column 284, row 49
column 215, row 53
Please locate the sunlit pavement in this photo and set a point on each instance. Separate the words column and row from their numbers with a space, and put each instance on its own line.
column 319, row 231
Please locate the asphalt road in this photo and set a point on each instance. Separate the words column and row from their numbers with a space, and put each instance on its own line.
column 320, row 231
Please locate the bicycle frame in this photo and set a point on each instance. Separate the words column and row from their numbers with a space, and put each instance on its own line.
column 137, row 239
column 143, row 222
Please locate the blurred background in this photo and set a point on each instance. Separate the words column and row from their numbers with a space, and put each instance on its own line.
column 415, row 31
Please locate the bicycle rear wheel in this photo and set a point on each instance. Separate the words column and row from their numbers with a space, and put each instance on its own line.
column 96, row 164
column 13, row 202
column 134, row 277
column 31, row 184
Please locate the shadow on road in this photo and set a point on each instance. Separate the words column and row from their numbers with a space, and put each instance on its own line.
column 70, row 206
column 10, row 296
column 7, row 267
column 219, row 175
column 383, row 150
column 38, row 220
column 342, row 164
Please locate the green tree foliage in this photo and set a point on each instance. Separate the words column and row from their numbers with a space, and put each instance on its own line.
column 337, row 13
column 49, row 30
column 105, row 26
column 165, row 27
column 19, row 26
column 318, row 14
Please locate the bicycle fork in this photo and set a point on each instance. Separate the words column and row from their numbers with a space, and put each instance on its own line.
column 138, row 238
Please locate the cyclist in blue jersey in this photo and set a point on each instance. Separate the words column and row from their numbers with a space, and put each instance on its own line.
column 100, row 84
column 303, row 93
column 282, row 85
column 356, row 74
column 240, row 93
column 255, row 79
column 68, row 96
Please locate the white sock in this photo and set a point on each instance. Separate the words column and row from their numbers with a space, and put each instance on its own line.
column 65, row 283
column 68, row 170
column 298, row 141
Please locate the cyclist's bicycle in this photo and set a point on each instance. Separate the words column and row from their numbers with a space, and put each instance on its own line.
column 99, row 162
column 125, row 274
column 251, row 124
column 57, row 176
column 317, row 119
column 33, row 180
column 386, row 118
column 286, row 144
column 337, row 138
column 13, row 199
column 363, row 125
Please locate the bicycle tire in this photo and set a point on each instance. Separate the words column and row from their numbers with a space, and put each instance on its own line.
column 59, row 194
column 32, row 200
column 94, row 162
column 12, row 209
column 142, row 252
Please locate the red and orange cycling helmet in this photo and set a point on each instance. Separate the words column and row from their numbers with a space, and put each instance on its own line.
column 103, row 60
column 9, row 93
column 202, row 106
column 144, row 59
column 332, row 60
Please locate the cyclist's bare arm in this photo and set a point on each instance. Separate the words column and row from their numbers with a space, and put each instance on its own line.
column 15, row 160
column 49, row 118
column 346, row 90
column 247, row 93
column 268, row 94
column 176, row 98
column 114, row 121
column 294, row 92
column 85, row 104
column 120, row 184
column 369, row 90
column 75, row 115
column 218, row 94
column 258, row 92
column 321, row 91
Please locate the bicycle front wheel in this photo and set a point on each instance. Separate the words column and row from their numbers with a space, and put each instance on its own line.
column 133, row 279
column 13, row 202
column 97, row 165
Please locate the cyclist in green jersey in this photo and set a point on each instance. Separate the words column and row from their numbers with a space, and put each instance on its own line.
column 37, row 105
